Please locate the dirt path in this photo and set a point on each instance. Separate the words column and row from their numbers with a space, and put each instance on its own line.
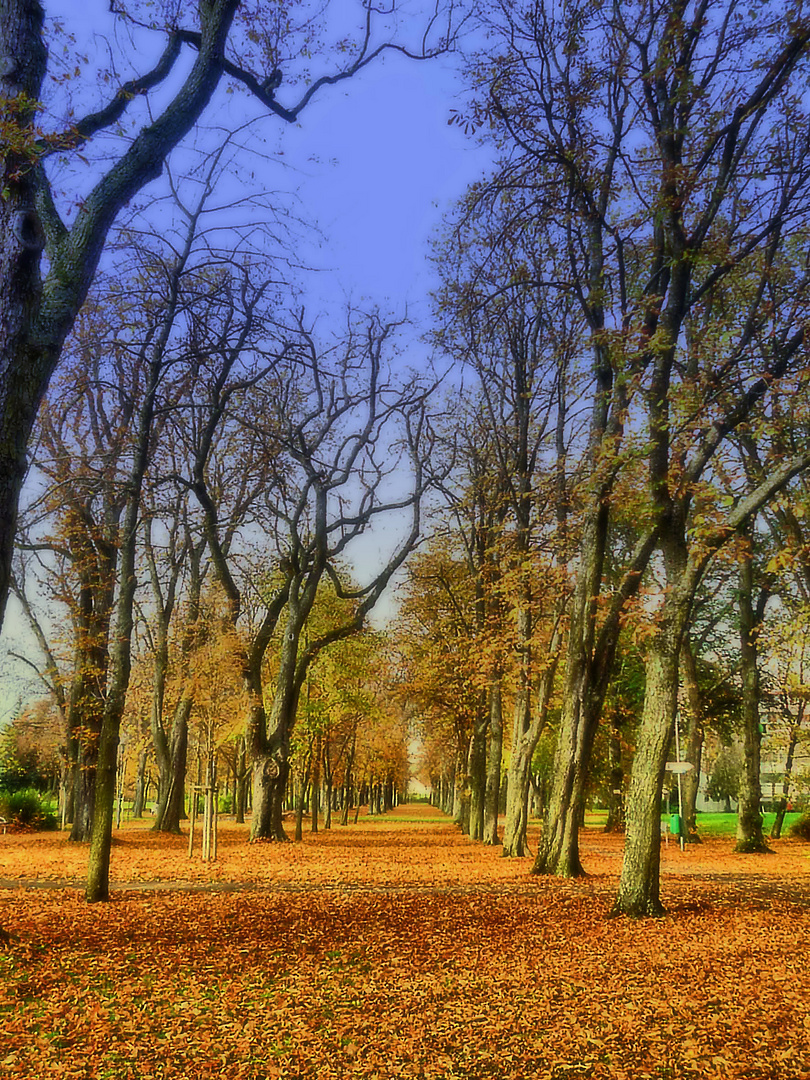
column 415, row 849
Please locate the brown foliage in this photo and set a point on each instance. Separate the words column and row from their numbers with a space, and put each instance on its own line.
column 399, row 948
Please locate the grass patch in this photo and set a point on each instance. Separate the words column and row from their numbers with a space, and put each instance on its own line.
column 389, row 821
column 726, row 824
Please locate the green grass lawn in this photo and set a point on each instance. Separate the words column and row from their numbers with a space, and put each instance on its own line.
column 726, row 824
column 708, row 824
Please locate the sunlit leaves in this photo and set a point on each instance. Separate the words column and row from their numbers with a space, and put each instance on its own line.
column 410, row 952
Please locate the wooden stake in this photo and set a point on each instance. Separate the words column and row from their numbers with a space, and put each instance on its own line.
column 193, row 819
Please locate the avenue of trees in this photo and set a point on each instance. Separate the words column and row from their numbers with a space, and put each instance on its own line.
column 597, row 510
column 53, row 241
column 627, row 299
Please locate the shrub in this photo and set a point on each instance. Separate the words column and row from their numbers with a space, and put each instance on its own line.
column 27, row 807
column 801, row 827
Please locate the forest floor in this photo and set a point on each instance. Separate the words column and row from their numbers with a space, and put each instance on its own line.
column 398, row 948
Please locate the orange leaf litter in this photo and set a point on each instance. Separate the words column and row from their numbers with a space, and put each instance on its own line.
column 399, row 948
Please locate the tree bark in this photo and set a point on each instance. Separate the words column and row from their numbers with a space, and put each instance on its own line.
column 639, row 885
column 301, row 802
column 347, row 783
column 270, row 772
column 83, row 794
column 172, row 804
column 21, row 385
column 477, row 773
column 692, row 734
column 749, row 818
column 779, row 820
column 558, row 852
column 517, row 775
column 495, row 751
column 98, row 866
column 85, row 710
column 315, row 798
column 616, row 816
column 461, row 795
column 141, row 782
column 242, row 774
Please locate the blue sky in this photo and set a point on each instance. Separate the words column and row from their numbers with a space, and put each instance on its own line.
column 387, row 165
column 391, row 166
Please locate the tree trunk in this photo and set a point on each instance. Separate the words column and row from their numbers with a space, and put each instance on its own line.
column 525, row 735
column 84, row 721
column 749, row 818
column 639, row 885
column 301, row 803
column 66, row 794
column 779, row 820
column 140, row 785
column 98, row 867
column 84, row 791
column 692, row 742
column 449, row 792
column 86, row 705
column 347, row 784
column 517, row 799
column 616, row 815
column 526, row 731
column 316, row 785
column 270, row 773
column 242, row 774
column 558, row 852
column 461, row 797
column 171, row 752
column 269, row 736
column 328, row 793
column 477, row 774
column 21, row 384
column 493, row 781
column 160, row 742
column 172, row 806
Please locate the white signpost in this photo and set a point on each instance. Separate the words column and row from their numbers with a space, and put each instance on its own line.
column 678, row 768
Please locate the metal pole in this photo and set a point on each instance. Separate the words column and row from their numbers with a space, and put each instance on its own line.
column 678, row 758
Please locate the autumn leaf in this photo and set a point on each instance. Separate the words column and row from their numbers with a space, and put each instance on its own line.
column 398, row 948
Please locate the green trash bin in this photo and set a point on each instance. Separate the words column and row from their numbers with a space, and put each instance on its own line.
column 675, row 825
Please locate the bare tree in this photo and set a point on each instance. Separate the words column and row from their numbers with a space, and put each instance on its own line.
column 652, row 135
column 47, row 261
column 338, row 440
column 506, row 320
